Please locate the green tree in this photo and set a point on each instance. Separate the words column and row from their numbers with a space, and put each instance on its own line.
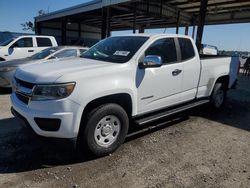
column 29, row 25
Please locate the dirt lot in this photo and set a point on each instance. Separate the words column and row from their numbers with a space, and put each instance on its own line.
column 200, row 149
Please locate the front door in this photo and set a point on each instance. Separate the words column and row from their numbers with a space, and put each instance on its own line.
column 160, row 87
column 21, row 48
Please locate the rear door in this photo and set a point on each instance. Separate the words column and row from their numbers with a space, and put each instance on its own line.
column 160, row 87
column 42, row 43
column 191, row 68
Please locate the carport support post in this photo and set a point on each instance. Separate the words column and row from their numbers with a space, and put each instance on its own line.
column 37, row 28
column 178, row 22
column 104, row 23
column 134, row 21
column 108, row 22
column 202, row 17
column 141, row 29
column 63, row 27
column 186, row 30
column 193, row 31
column 79, row 30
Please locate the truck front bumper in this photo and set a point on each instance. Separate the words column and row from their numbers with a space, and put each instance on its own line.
column 53, row 118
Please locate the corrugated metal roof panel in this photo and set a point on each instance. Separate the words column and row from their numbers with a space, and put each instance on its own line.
column 84, row 7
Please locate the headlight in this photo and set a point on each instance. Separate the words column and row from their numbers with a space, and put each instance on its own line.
column 7, row 69
column 52, row 92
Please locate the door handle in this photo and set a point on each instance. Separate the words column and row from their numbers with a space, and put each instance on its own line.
column 30, row 50
column 176, row 72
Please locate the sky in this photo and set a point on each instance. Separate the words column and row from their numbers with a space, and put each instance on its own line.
column 15, row 12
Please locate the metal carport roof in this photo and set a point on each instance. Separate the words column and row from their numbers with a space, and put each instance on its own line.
column 112, row 15
column 155, row 13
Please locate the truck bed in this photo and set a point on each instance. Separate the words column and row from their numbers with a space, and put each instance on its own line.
column 204, row 56
column 211, row 66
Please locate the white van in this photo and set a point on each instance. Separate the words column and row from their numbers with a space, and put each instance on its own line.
column 25, row 46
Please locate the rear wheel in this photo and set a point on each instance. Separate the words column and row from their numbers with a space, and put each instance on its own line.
column 105, row 129
column 218, row 96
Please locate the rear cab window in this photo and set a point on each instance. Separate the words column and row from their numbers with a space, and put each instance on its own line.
column 165, row 48
column 43, row 42
column 187, row 49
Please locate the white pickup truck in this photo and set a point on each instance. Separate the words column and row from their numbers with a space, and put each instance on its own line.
column 25, row 46
column 122, row 79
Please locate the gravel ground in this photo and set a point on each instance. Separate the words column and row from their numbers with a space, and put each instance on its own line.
column 198, row 149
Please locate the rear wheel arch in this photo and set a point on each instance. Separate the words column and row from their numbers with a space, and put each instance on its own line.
column 224, row 80
column 219, row 92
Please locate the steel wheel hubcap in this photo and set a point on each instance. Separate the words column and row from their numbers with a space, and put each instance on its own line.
column 107, row 130
column 219, row 98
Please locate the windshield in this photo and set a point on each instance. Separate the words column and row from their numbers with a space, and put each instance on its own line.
column 44, row 53
column 115, row 49
column 5, row 43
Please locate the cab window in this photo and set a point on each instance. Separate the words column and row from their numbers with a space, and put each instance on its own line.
column 187, row 49
column 43, row 42
column 165, row 48
column 66, row 53
column 24, row 43
column 82, row 51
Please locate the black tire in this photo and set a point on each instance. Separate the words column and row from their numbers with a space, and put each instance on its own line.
column 87, row 139
column 218, row 97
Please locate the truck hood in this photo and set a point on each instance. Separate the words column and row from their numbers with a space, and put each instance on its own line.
column 49, row 72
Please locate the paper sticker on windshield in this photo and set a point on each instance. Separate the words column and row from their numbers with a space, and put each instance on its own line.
column 121, row 53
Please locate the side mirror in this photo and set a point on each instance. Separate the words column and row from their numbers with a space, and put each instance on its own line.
column 151, row 61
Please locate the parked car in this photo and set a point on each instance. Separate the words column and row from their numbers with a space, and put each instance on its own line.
column 25, row 46
column 8, row 68
column 209, row 49
column 122, row 79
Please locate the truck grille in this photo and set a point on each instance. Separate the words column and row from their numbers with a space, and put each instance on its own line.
column 23, row 90
column 24, row 99
column 24, row 84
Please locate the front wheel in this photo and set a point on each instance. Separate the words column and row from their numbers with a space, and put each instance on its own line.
column 105, row 129
column 218, row 96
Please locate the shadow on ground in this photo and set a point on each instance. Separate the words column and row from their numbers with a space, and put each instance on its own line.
column 236, row 112
column 22, row 150
column 4, row 91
